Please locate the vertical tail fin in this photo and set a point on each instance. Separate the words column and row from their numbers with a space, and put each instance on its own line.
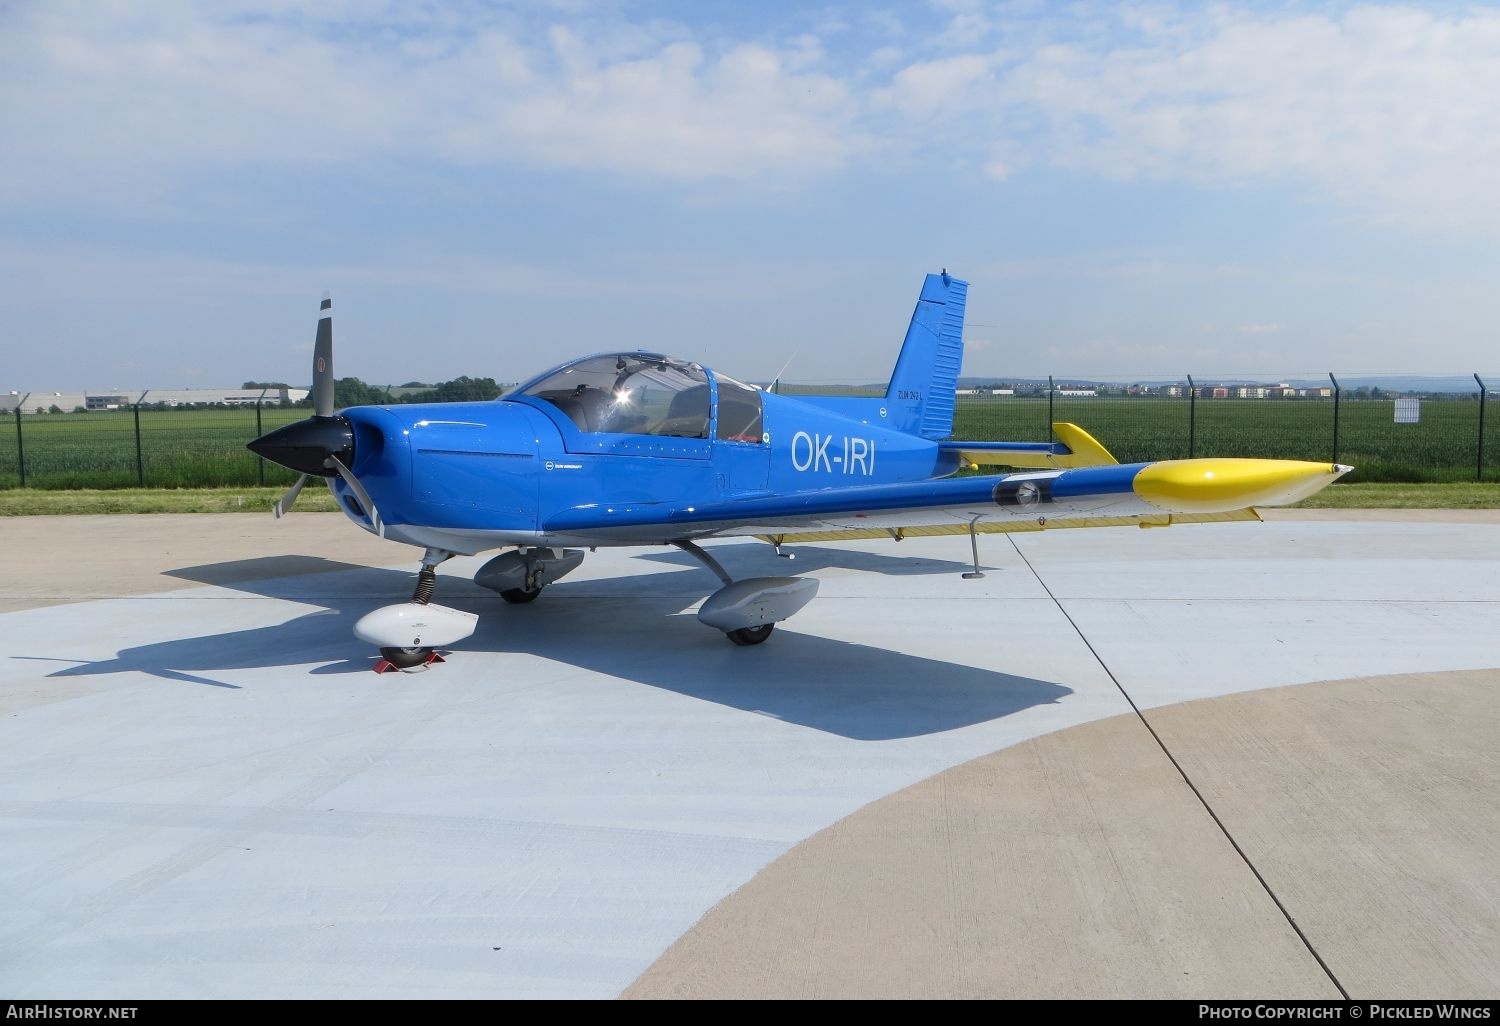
column 921, row 394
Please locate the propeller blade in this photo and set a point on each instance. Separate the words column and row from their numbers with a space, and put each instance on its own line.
column 359, row 493
column 315, row 445
column 284, row 504
column 322, row 379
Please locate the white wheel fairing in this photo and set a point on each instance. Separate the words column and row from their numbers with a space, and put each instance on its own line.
column 414, row 625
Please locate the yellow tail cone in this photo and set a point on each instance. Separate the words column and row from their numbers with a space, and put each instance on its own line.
column 1219, row 485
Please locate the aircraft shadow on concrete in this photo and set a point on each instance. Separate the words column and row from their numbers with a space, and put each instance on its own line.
column 633, row 628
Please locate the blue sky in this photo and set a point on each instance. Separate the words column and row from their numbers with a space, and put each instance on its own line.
column 1132, row 190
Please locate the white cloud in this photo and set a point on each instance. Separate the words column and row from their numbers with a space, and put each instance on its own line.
column 929, row 86
column 119, row 101
column 677, row 113
column 1388, row 109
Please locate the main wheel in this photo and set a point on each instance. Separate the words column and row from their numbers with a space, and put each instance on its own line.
column 520, row 596
column 405, row 658
column 751, row 635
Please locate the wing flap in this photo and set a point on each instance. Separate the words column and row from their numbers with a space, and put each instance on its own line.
column 1009, row 526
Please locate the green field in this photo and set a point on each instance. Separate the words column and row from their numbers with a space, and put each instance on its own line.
column 1443, row 446
column 178, row 449
column 206, row 448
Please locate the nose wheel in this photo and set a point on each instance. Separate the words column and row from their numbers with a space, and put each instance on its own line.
column 750, row 635
column 406, row 658
column 409, row 634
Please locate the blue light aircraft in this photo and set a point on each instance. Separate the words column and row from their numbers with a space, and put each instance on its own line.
column 638, row 448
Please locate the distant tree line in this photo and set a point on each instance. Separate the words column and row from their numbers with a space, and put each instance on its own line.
column 354, row 392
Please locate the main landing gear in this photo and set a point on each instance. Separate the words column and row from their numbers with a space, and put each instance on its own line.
column 748, row 611
column 520, row 575
column 409, row 634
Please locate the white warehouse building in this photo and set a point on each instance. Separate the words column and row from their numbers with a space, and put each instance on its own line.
column 41, row 401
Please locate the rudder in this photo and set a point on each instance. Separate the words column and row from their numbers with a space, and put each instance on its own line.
column 920, row 398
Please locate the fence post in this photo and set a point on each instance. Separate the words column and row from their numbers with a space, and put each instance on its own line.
column 260, row 463
column 140, row 463
column 20, row 443
column 1051, row 391
column 1479, row 461
column 1336, row 392
column 1192, row 416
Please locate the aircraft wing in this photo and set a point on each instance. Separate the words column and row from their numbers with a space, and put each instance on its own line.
column 1010, row 526
column 1147, row 494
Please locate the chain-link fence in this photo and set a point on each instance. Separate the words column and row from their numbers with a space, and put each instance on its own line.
column 1437, row 437
column 1448, row 437
column 141, row 447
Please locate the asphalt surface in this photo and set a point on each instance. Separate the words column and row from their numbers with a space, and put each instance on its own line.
column 1245, row 760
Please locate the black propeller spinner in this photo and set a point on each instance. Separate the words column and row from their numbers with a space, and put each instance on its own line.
column 309, row 445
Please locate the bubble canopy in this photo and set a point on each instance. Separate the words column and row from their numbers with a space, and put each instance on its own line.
column 645, row 394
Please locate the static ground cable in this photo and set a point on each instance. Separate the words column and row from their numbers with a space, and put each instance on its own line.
column 1185, row 778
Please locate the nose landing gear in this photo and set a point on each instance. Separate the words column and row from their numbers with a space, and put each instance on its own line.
column 409, row 634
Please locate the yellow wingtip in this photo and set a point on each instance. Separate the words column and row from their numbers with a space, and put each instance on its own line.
column 1206, row 485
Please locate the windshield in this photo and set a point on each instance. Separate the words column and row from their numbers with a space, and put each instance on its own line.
column 630, row 393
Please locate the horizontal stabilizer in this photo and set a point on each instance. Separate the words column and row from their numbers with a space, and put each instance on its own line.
column 1077, row 448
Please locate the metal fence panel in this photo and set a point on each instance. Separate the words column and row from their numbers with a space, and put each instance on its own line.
column 1001, row 418
column 1439, row 447
column 184, row 448
column 1487, row 458
column 1135, row 429
column 1269, row 428
column 10, row 451
column 198, row 448
column 80, row 450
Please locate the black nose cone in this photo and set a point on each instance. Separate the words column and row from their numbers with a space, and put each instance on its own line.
column 306, row 445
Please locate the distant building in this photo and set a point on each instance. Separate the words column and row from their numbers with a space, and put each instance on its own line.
column 40, row 402
column 115, row 399
column 223, row 396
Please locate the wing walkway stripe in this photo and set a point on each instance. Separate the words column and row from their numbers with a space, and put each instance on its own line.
column 1183, row 773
